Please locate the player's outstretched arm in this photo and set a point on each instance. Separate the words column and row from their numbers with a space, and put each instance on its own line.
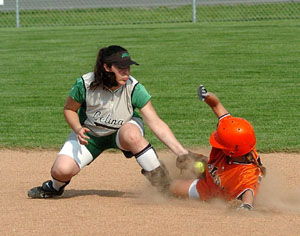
column 212, row 100
column 161, row 129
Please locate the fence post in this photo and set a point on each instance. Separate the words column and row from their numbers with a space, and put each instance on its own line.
column 194, row 11
column 17, row 14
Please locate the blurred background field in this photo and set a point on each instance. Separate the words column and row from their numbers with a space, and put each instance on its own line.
column 252, row 65
column 29, row 13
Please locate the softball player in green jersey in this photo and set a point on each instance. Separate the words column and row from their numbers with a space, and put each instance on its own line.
column 100, row 109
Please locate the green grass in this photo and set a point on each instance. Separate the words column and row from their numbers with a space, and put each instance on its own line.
column 252, row 66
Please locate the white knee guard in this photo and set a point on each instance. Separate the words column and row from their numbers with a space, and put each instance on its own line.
column 147, row 158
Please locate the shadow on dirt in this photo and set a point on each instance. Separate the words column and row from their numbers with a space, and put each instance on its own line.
column 71, row 193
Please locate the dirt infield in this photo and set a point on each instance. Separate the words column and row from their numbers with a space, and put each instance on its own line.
column 111, row 197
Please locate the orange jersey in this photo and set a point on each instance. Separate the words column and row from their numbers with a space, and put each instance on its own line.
column 226, row 179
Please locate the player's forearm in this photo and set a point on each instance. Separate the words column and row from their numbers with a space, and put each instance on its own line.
column 72, row 119
column 164, row 134
column 213, row 101
column 161, row 129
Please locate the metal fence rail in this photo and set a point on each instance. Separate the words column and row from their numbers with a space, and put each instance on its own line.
column 27, row 13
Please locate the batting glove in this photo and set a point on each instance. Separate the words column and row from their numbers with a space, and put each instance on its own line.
column 202, row 93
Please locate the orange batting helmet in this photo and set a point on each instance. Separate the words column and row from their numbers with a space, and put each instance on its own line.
column 235, row 136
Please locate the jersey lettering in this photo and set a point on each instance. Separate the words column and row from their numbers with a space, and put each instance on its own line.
column 213, row 173
column 106, row 119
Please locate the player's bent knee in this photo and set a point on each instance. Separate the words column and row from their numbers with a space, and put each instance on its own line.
column 61, row 174
column 64, row 169
column 133, row 137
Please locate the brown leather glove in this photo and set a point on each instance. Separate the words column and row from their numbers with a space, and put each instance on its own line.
column 188, row 161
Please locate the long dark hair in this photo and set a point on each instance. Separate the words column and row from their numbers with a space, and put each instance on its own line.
column 102, row 77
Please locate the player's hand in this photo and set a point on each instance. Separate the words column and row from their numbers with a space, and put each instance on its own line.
column 246, row 207
column 189, row 162
column 202, row 93
column 82, row 138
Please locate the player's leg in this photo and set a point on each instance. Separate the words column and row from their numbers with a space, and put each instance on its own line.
column 184, row 188
column 63, row 169
column 130, row 137
column 71, row 159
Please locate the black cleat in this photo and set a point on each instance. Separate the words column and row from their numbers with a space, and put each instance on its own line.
column 45, row 191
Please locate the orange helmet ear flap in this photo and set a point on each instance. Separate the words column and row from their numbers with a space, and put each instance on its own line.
column 235, row 136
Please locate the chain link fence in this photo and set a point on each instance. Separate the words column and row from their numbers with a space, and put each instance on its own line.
column 29, row 13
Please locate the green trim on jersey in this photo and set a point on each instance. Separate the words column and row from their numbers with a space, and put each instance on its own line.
column 78, row 91
column 140, row 96
column 78, row 94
